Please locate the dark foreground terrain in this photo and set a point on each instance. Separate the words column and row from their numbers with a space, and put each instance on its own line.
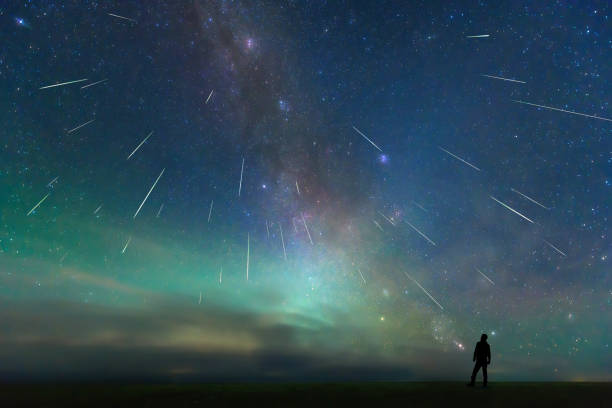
column 425, row 394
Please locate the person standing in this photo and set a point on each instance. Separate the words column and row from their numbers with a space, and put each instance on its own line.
column 482, row 357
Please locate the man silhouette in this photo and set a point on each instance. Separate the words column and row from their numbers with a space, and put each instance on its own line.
column 482, row 357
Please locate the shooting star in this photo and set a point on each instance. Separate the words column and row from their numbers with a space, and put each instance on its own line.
column 267, row 229
column 297, row 186
column 386, row 218
column 478, row 36
column 420, row 233
column 280, row 227
column 147, row 196
column 420, row 206
column 423, row 289
column 210, row 211
column 306, row 226
column 562, row 110
column 366, row 138
column 459, row 158
column 221, row 275
column 512, row 209
column 378, row 225
column 126, row 245
column 200, row 300
column 94, row 83
column 361, row 274
column 209, row 95
column 503, row 79
column 138, row 147
column 80, row 126
column 530, row 199
column 485, row 276
column 248, row 252
column 52, row 181
column 161, row 207
column 39, row 203
column 241, row 171
column 554, row 247
column 294, row 226
column 121, row 17
column 63, row 83
column 98, row 209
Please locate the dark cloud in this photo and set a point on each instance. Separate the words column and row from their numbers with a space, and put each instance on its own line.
column 64, row 340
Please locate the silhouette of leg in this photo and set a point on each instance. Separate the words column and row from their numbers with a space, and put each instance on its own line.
column 474, row 372
column 484, row 374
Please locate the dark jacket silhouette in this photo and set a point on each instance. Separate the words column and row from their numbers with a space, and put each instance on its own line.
column 482, row 357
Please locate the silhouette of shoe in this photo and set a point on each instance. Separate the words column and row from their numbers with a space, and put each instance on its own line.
column 469, row 384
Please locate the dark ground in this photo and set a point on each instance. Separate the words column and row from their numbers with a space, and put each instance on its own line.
column 425, row 394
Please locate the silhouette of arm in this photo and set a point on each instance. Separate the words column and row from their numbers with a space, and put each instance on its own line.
column 475, row 351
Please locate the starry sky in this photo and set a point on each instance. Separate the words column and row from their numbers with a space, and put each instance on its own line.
column 304, row 190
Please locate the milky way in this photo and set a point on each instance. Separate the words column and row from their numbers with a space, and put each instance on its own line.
column 282, row 190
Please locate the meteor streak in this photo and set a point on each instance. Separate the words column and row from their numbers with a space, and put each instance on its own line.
column 386, row 218
column 297, row 186
column 161, row 207
column 80, row 126
column 121, row 17
column 423, row 289
column 366, row 138
column 147, row 196
column 512, row 209
column 420, row 206
column 530, row 199
column 63, row 83
column 94, row 83
column 126, row 245
column 97, row 209
column 200, row 300
column 562, row 110
column 485, row 276
column 52, row 181
column 478, row 36
column 138, row 147
column 209, row 95
column 280, row 227
column 459, row 158
column 267, row 229
column 241, row 171
column 210, row 211
column 554, row 247
column 306, row 226
column 39, row 203
column 420, row 233
column 378, row 225
column 503, row 79
column 359, row 270
column 248, row 251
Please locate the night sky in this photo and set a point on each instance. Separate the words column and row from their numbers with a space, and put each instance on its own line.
column 338, row 189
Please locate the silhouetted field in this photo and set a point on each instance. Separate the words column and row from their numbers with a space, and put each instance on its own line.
column 415, row 394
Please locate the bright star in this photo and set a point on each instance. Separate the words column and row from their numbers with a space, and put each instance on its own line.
column 21, row 22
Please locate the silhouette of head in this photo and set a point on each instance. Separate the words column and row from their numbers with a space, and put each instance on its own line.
column 484, row 337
